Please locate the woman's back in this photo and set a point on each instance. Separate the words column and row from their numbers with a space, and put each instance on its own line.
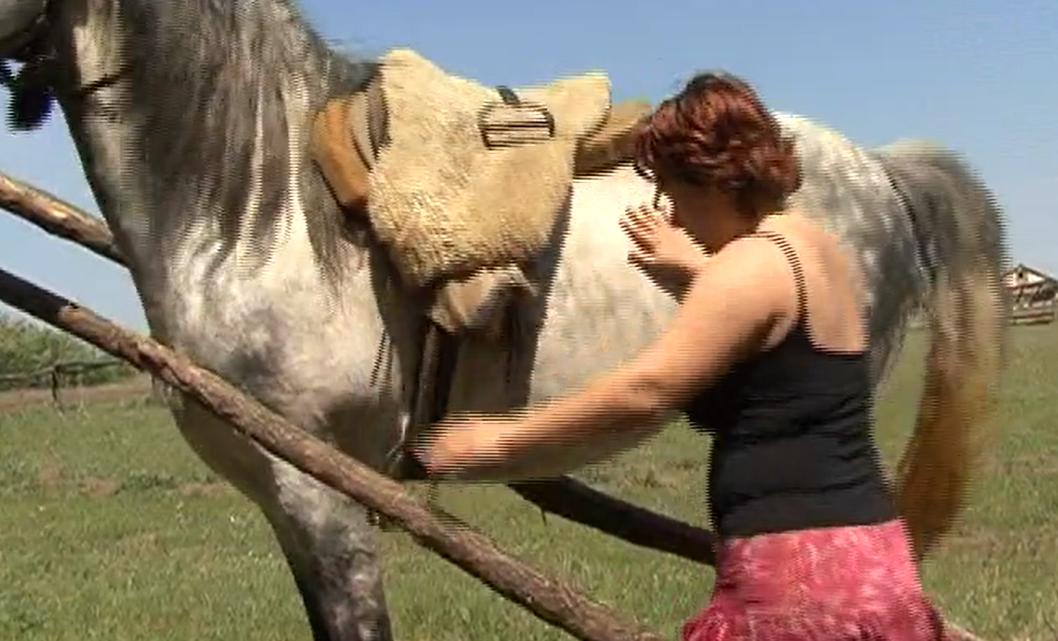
column 793, row 447
column 831, row 285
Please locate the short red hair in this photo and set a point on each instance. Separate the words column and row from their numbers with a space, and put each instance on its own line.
column 717, row 133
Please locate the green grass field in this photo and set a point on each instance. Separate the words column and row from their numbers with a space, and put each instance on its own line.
column 111, row 529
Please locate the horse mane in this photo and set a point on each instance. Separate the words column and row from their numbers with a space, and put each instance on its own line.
column 231, row 85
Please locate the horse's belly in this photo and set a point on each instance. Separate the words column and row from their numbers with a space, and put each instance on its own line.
column 322, row 365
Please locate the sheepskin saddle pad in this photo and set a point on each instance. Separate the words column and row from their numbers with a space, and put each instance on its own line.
column 466, row 182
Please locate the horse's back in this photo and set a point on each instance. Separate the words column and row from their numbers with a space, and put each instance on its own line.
column 600, row 311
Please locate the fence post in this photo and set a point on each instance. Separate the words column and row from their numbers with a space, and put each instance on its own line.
column 54, row 376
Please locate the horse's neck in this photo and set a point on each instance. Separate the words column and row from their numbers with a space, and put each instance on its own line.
column 187, row 192
column 174, row 237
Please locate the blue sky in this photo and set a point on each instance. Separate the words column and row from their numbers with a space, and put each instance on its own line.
column 981, row 76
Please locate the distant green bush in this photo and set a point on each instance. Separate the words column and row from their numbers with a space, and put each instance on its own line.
column 27, row 347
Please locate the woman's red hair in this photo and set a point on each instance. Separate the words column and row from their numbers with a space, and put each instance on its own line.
column 718, row 133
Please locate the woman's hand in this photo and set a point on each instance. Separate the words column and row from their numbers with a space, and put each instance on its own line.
column 663, row 251
column 460, row 446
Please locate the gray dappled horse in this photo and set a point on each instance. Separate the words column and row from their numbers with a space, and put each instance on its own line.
column 190, row 120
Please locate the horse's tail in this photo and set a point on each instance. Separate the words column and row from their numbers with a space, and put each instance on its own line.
column 967, row 311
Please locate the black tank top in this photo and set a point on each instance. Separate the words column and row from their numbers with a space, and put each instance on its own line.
column 792, row 443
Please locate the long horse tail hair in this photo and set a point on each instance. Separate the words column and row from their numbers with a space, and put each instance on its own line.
column 966, row 308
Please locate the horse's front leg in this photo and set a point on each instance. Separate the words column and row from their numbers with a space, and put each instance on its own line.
column 325, row 537
column 330, row 549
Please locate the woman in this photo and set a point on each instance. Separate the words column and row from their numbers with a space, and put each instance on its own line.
column 767, row 352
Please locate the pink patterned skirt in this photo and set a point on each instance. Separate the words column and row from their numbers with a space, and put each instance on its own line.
column 831, row 584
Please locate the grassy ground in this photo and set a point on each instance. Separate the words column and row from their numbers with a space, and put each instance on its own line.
column 111, row 529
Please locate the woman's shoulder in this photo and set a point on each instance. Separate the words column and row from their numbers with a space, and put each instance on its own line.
column 797, row 224
column 806, row 236
column 750, row 262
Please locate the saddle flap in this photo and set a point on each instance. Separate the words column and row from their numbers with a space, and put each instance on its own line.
column 344, row 136
column 331, row 147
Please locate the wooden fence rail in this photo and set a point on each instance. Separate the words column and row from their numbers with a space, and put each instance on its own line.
column 547, row 598
column 63, row 376
column 1039, row 314
column 60, row 368
column 56, row 375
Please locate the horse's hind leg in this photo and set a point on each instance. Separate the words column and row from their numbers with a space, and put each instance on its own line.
column 330, row 549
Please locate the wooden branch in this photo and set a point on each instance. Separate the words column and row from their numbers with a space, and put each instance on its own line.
column 573, row 500
column 550, row 600
column 954, row 632
column 565, row 497
column 582, row 504
column 58, row 217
